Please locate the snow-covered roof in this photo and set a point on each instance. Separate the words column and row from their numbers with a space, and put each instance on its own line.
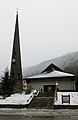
column 53, row 74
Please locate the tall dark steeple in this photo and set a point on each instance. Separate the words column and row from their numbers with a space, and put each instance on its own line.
column 16, row 67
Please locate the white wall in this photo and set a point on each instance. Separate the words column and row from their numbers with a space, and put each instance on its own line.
column 63, row 83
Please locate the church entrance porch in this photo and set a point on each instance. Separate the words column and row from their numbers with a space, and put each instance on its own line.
column 49, row 88
column 48, row 91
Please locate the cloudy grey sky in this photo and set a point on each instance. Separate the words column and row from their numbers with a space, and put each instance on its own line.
column 48, row 29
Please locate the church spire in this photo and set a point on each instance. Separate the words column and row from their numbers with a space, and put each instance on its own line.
column 17, row 10
column 16, row 67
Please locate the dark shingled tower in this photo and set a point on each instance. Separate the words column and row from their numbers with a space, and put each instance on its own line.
column 16, row 67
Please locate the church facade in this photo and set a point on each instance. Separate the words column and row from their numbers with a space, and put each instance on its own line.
column 52, row 78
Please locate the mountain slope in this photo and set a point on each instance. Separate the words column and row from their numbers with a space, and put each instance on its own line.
column 68, row 63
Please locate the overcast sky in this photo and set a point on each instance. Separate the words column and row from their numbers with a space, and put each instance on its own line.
column 48, row 29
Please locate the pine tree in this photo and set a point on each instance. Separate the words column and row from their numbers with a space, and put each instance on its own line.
column 6, row 83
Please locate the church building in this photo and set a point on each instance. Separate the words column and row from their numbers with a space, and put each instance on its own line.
column 50, row 78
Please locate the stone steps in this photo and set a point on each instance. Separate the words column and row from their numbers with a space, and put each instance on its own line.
column 42, row 102
column 46, row 94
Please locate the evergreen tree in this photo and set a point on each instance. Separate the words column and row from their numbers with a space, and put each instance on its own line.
column 6, row 84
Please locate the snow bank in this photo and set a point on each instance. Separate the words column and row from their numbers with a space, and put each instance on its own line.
column 73, row 98
column 18, row 99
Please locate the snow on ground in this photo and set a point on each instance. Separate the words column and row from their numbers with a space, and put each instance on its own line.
column 18, row 99
column 73, row 98
column 23, row 99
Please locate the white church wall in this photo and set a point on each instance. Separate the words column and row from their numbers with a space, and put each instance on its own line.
column 63, row 83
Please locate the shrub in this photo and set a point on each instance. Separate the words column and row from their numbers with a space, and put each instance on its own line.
column 6, row 84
